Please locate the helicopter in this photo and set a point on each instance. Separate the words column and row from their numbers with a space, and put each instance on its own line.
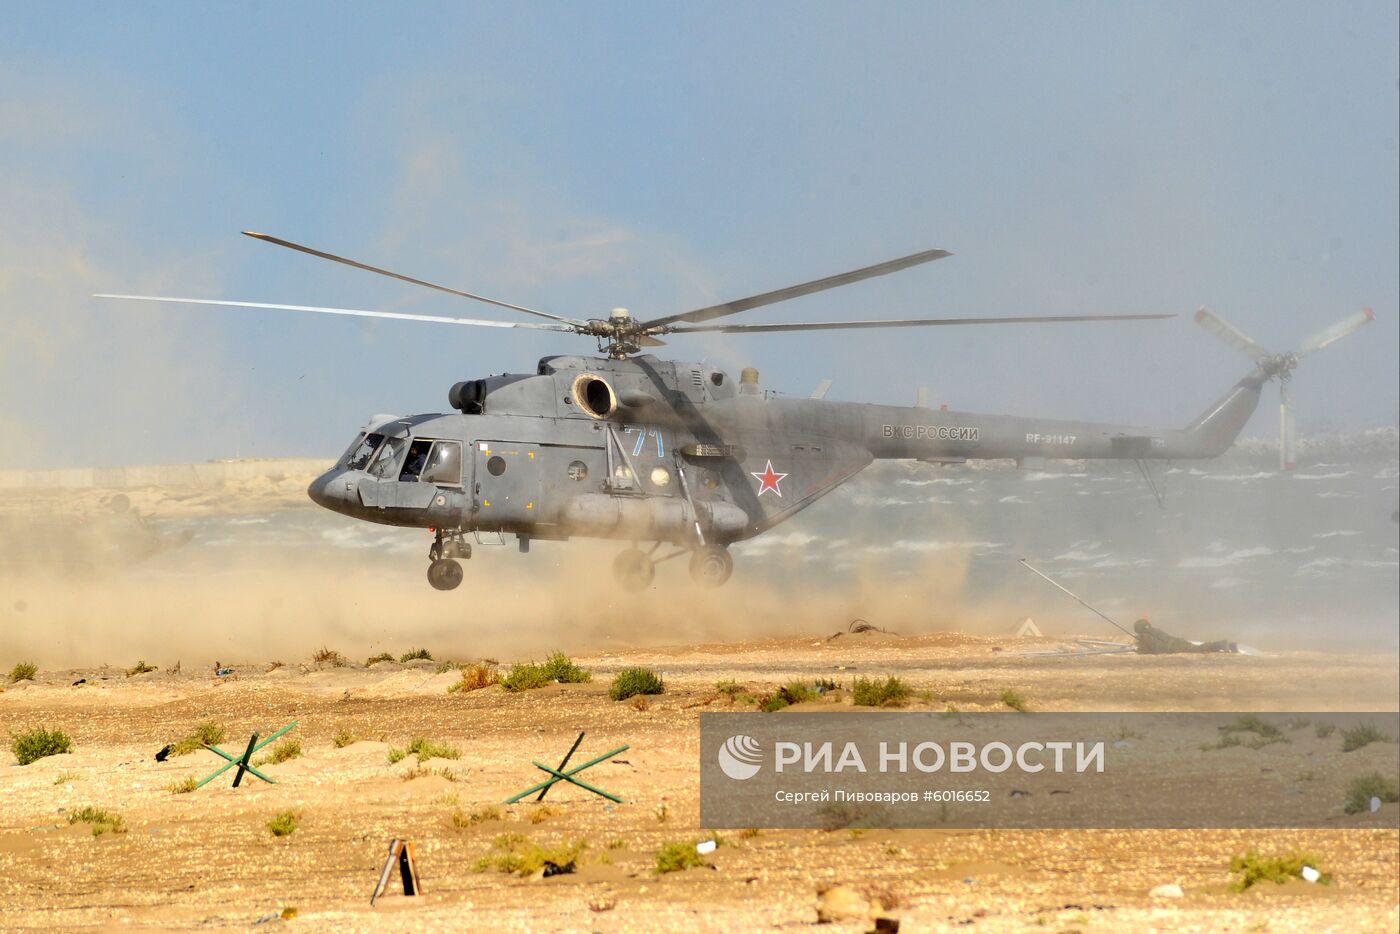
column 675, row 455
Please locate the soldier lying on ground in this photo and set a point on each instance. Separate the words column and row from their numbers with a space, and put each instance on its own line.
column 1153, row 641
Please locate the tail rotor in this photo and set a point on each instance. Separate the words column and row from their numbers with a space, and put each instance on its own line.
column 1280, row 366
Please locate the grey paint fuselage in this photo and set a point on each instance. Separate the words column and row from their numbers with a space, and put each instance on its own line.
column 684, row 443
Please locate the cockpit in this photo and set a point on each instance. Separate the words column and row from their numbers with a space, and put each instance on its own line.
column 406, row 459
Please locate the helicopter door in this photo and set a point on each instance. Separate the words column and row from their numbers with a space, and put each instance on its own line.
column 507, row 488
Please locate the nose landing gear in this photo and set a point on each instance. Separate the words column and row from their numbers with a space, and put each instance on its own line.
column 444, row 572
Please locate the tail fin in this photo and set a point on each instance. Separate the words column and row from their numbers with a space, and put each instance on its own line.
column 1218, row 427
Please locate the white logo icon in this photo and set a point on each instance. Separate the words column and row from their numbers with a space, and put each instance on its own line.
column 740, row 757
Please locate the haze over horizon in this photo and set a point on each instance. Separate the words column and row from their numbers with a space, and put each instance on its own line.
column 1085, row 158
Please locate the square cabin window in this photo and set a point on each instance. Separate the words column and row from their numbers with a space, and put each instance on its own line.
column 444, row 464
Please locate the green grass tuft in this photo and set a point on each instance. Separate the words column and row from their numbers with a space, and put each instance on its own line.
column 1373, row 785
column 33, row 745
column 633, row 681
column 381, row 657
column 676, row 856
column 23, row 671
column 424, row 749
column 1254, row 869
column 519, row 856
column 63, row 778
column 472, row 818
column 1363, row 734
column 1251, row 723
column 872, row 692
column 101, row 821
column 416, row 655
column 207, row 733
column 288, row 748
column 284, row 824
column 183, row 786
column 1324, row 730
column 1013, row 699
column 557, row 667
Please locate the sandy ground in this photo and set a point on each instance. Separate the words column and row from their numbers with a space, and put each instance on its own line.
column 207, row 859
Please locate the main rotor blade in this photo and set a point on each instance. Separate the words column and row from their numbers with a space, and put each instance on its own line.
column 1330, row 335
column 795, row 291
column 1231, row 334
column 355, row 312
column 903, row 323
column 402, row 278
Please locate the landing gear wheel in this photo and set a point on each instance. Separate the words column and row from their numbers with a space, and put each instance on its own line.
column 444, row 574
column 634, row 569
column 711, row 565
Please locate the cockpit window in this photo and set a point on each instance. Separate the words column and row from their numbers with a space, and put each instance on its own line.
column 417, row 457
column 362, row 450
column 444, row 464
column 388, row 458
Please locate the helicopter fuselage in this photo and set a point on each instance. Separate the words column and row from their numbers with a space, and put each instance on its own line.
column 648, row 450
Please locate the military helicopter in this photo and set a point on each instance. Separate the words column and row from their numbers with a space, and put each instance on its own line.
column 630, row 447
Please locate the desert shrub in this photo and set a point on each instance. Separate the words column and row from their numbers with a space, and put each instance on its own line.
column 33, row 745
column 1013, row 699
column 677, row 855
column 872, row 692
column 1251, row 723
column 183, row 786
column 633, row 681
column 1253, row 868
column 342, row 738
column 63, row 778
column 206, row 733
column 101, row 821
column 1324, row 730
column 1373, row 785
column 284, row 824
column 729, row 688
column 381, row 657
column 797, row 692
column 424, row 749
column 475, row 677
column 1363, row 734
column 288, row 748
column 444, row 667
column 472, row 818
column 140, row 668
column 524, row 677
column 541, row 814
column 772, row 703
column 416, row 655
column 519, row 856
column 23, row 671
column 328, row 656
column 559, row 667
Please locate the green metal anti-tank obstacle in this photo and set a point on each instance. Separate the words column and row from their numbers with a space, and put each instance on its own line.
column 559, row 775
column 245, row 761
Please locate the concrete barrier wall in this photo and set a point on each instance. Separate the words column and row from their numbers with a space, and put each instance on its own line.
column 211, row 473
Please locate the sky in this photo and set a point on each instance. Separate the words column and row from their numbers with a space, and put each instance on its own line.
column 1074, row 157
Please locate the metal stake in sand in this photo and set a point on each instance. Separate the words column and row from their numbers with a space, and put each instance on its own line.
column 563, row 762
column 559, row 775
column 1077, row 599
column 245, row 761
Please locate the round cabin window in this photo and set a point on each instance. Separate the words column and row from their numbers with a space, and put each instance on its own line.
column 578, row 470
column 496, row 465
column 660, row 476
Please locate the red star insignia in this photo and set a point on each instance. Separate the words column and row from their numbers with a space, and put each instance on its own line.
column 769, row 480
